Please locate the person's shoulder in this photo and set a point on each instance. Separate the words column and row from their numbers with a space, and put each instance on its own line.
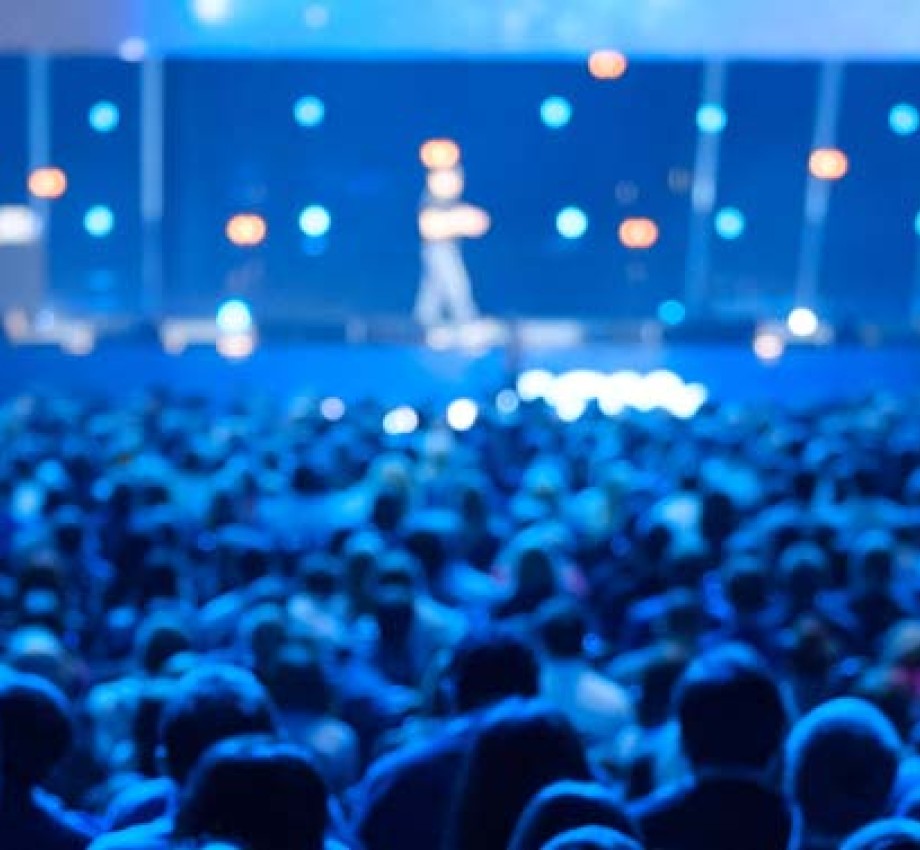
column 141, row 803
column 150, row 836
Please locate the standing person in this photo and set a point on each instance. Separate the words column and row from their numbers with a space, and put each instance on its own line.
column 445, row 294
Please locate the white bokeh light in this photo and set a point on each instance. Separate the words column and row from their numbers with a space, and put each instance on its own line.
column 462, row 414
column 802, row 322
column 400, row 421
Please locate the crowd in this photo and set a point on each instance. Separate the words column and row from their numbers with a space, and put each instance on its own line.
column 252, row 627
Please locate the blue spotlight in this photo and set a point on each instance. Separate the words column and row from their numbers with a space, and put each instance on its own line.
column 904, row 119
column 104, row 117
column 309, row 111
column 711, row 118
column 671, row 313
column 234, row 317
column 315, row 221
column 730, row 223
column 556, row 112
column 99, row 221
column 572, row 223
column 917, row 224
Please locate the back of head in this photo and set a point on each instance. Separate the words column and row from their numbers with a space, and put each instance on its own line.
column 208, row 705
column 258, row 793
column 562, row 628
column 891, row 834
column 872, row 560
column 489, row 666
column 730, row 710
column 592, row 838
column 565, row 806
column 520, row 750
column 842, row 760
column 36, row 730
column 159, row 638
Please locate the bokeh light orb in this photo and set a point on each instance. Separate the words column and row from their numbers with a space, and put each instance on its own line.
column 309, row 111
column 904, row 119
column 607, row 64
column 828, row 164
column 711, row 118
column 672, row 313
column 802, row 322
column 48, row 183
column 315, row 221
column 247, row 230
column 234, row 317
column 446, row 184
column 638, row 233
column 730, row 223
column 556, row 112
column 462, row 414
column 769, row 346
column 99, row 221
column 440, row 153
column 571, row 223
column 104, row 117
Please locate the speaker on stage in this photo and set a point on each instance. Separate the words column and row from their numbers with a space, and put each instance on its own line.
column 22, row 259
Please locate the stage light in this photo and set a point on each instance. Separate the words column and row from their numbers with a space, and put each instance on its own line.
column 400, row 421
column 234, row 317
column 104, row 117
column 769, row 346
column 672, row 313
column 440, row 153
column 572, row 223
column 917, row 224
column 534, row 383
column 711, row 118
column 48, row 183
column 507, row 402
column 904, row 119
column 828, row 164
column 309, row 111
column 99, row 221
column 607, row 64
column 802, row 323
column 211, row 11
column 730, row 223
column 445, row 184
column 462, row 414
column 570, row 408
column 555, row 112
column 315, row 221
column 638, row 233
column 246, row 230
column 332, row 409
column 687, row 402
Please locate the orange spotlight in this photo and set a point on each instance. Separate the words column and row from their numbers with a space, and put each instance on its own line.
column 828, row 164
column 607, row 64
column 247, row 230
column 440, row 153
column 48, row 183
column 638, row 233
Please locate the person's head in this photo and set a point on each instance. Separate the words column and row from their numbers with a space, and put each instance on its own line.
column 841, row 762
column 263, row 631
column 562, row 628
column 520, row 750
column 872, row 561
column 889, row 834
column 208, row 705
column 565, row 806
column 489, row 666
column 298, row 682
column 593, row 838
column 159, row 638
column 258, row 793
column 730, row 711
column 36, row 730
column 805, row 571
column 746, row 586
